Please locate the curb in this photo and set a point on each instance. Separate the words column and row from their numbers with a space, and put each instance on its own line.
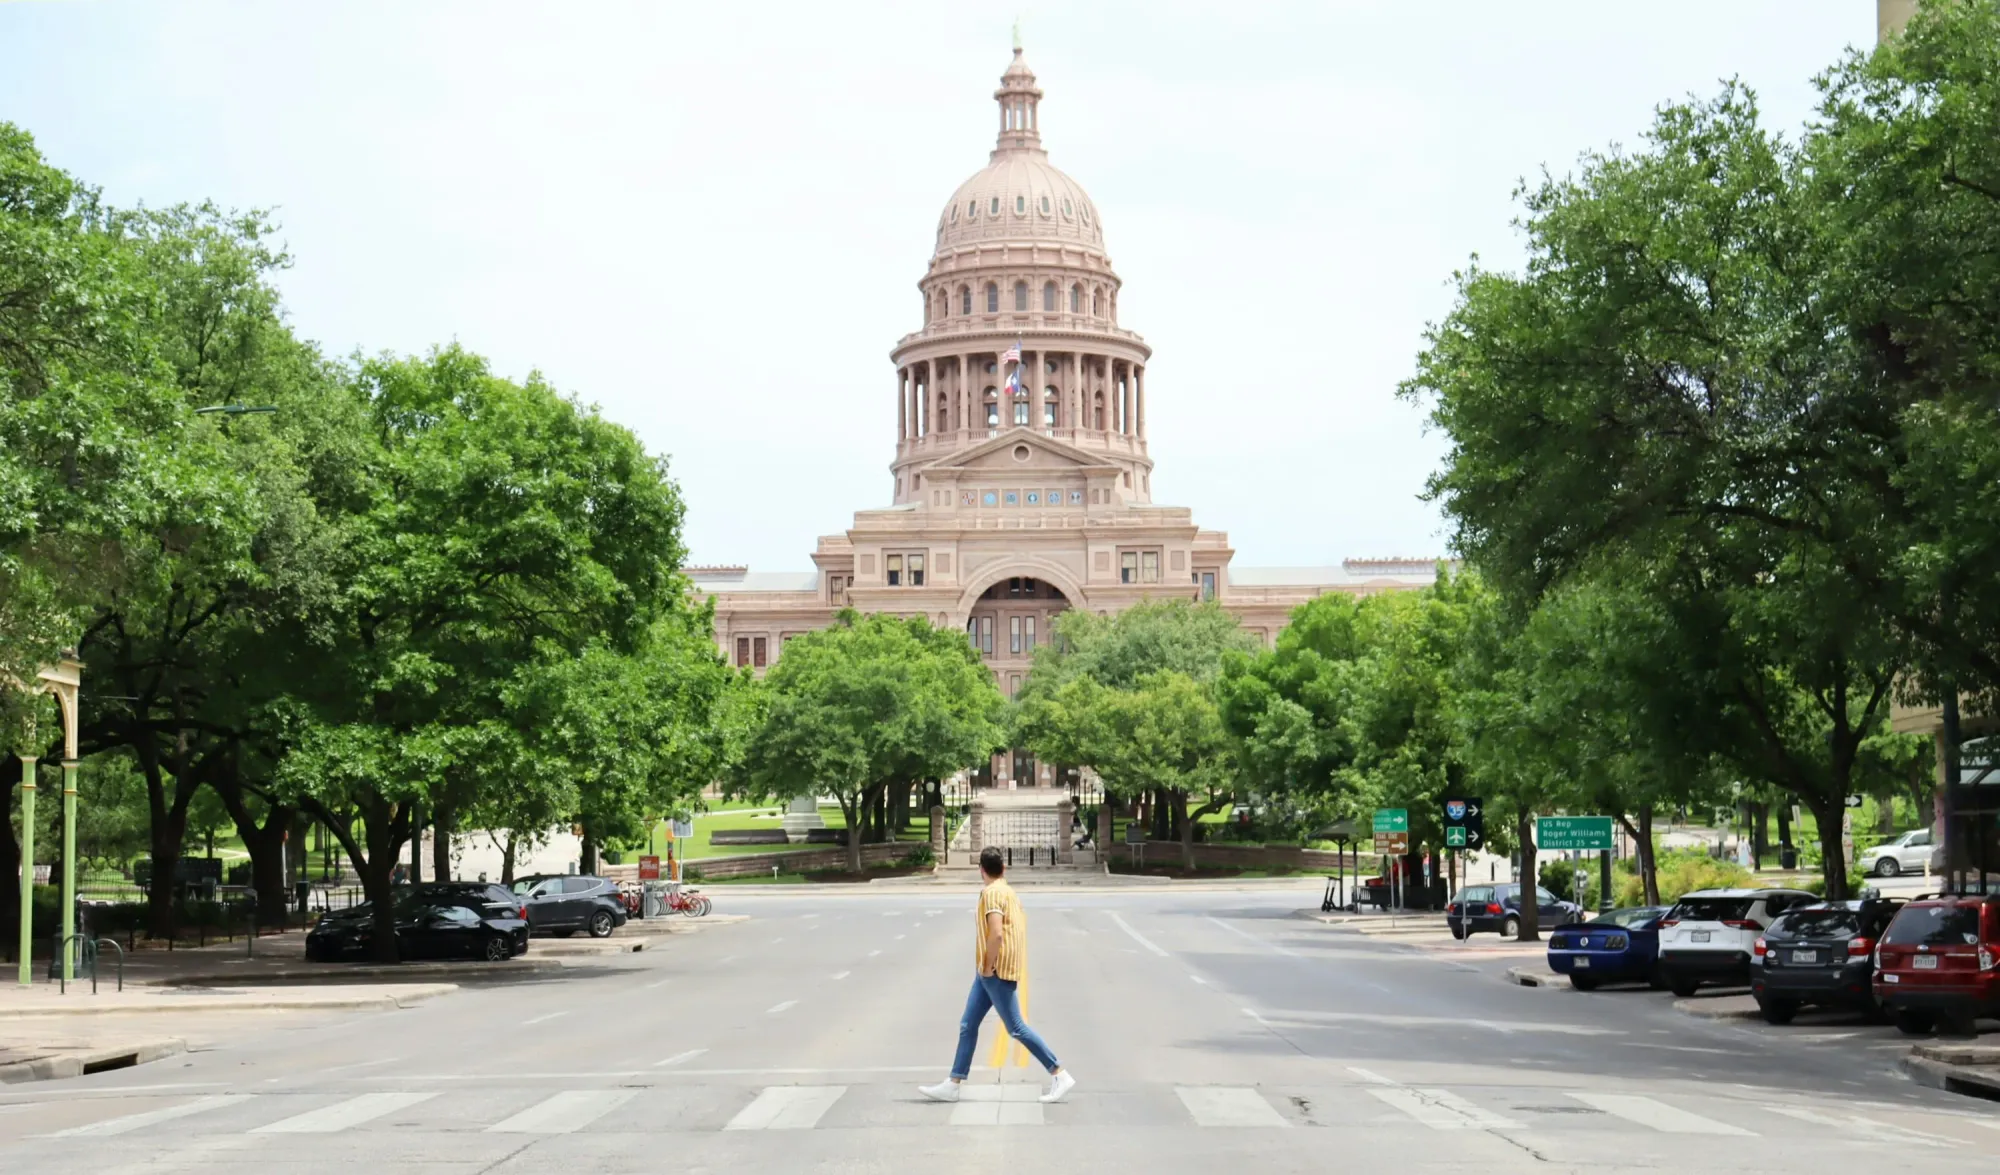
column 75, row 1065
column 387, row 1001
column 1702, row 1010
column 582, row 950
column 413, row 972
column 1529, row 977
column 1982, row 1081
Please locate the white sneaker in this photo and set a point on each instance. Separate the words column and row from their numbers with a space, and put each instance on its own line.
column 943, row 1091
column 1059, row 1086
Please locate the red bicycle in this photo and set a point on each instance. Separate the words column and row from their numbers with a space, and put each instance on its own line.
column 688, row 902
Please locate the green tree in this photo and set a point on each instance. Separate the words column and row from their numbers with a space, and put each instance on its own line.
column 871, row 702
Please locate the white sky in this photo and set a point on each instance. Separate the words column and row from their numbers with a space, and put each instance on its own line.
column 710, row 219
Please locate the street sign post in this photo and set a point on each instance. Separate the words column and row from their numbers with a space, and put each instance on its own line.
column 1392, row 820
column 649, row 868
column 683, row 830
column 1392, row 844
column 1590, row 833
column 1465, row 823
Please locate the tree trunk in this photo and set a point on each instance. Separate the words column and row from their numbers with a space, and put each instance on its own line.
column 1784, row 824
column 1186, row 827
column 1832, row 857
column 168, row 831
column 1649, row 862
column 853, row 808
column 416, row 847
column 441, row 844
column 1163, row 821
column 587, row 852
column 507, row 861
column 10, row 855
column 1530, row 907
column 1760, row 838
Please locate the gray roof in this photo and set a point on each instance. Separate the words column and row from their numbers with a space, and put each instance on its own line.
column 756, row 581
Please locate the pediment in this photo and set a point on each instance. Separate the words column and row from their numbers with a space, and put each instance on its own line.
column 1020, row 450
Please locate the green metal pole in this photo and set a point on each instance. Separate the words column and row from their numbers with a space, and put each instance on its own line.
column 69, row 868
column 27, row 869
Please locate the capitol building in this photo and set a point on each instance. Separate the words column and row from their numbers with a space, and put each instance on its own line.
column 1021, row 482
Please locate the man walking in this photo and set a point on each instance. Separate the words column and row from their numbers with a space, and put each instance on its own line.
column 1000, row 958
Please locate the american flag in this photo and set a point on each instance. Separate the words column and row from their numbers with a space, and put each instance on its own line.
column 1013, row 354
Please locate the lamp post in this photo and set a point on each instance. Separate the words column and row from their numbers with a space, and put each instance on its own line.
column 28, row 864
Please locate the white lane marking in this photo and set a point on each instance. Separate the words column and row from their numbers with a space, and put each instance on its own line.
column 787, row 1107
column 1865, row 1127
column 1438, row 1110
column 657, row 983
column 1307, row 1019
column 872, row 954
column 345, row 1068
column 340, row 1115
column 564, row 1113
column 776, row 941
column 1252, row 1013
column 1228, row 1106
column 774, row 1009
column 543, row 1019
column 1199, row 979
column 1265, row 943
column 1017, row 1104
column 1370, row 1076
column 131, row 1122
column 1141, row 939
column 932, row 913
column 677, row 1058
column 892, row 913
column 97, row 1091
column 899, row 938
column 1657, row 1115
column 727, row 959
column 842, row 974
column 603, row 1073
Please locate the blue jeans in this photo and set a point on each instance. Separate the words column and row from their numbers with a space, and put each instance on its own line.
column 999, row 995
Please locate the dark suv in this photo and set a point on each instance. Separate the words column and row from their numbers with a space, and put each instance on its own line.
column 1823, row 954
column 1939, row 963
column 1498, row 907
column 563, row 905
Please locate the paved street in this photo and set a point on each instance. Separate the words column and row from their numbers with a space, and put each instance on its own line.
column 1206, row 1028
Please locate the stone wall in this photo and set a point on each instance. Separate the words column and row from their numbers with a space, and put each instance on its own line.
column 1168, row 852
column 800, row 861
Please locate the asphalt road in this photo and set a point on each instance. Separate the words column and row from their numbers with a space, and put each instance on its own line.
column 1209, row 1030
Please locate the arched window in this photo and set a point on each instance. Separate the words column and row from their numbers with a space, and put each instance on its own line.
column 1050, row 397
column 1096, row 303
column 965, row 296
column 993, row 206
column 1021, row 296
column 1045, row 205
column 1049, row 298
column 992, row 407
column 992, row 298
column 1020, row 205
column 1097, row 412
column 1076, row 299
column 941, row 419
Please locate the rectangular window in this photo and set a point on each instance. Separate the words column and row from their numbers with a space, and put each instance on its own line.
column 1049, row 298
column 966, row 297
column 1027, row 634
column 742, row 650
column 916, row 570
column 1013, row 684
column 1149, row 567
column 759, row 649
column 972, row 630
column 1128, row 567
column 992, row 414
column 1208, row 585
column 1049, row 413
column 992, row 299
column 1021, row 413
column 1021, row 296
column 1014, row 635
column 986, row 635
column 895, row 571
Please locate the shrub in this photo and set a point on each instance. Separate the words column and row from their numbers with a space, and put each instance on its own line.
column 690, row 873
column 919, row 857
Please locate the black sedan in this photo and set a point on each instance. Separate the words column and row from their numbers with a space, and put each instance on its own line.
column 429, row 925
column 1820, row 954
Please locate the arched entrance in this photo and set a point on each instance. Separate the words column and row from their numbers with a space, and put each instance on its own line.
column 1007, row 622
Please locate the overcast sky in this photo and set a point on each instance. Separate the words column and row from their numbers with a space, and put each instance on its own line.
column 710, row 219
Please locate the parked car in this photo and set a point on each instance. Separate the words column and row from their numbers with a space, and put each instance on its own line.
column 1938, row 964
column 1710, row 935
column 1497, row 907
column 563, row 905
column 1908, row 853
column 1620, row 946
column 431, row 923
column 1822, row 954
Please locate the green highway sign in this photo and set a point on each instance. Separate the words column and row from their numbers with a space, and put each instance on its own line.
column 1392, row 820
column 1573, row 832
column 1454, row 837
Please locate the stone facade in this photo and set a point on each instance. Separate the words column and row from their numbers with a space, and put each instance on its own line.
column 1021, row 484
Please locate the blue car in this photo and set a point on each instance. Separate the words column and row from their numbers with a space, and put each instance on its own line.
column 1618, row 947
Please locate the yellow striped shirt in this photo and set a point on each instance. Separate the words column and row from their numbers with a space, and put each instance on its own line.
column 1013, row 962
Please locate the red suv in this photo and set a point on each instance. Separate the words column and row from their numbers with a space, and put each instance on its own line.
column 1938, row 964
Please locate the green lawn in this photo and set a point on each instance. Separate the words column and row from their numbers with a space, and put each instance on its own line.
column 737, row 815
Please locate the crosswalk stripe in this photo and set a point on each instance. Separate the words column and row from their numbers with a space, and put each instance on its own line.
column 998, row 1105
column 1866, row 1127
column 1440, row 1110
column 131, row 1122
column 339, row 1116
column 564, row 1113
column 787, row 1107
column 1658, row 1115
column 1227, row 1106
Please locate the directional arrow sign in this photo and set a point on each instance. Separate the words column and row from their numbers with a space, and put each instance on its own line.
column 1464, row 822
column 1454, row 838
column 1573, row 832
column 1392, row 820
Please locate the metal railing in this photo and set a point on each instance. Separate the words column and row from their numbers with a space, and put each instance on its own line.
column 86, row 956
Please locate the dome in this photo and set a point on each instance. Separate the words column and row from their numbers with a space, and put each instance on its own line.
column 1019, row 195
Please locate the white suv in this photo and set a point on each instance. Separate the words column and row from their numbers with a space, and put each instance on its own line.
column 1710, row 935
column 1908, row 853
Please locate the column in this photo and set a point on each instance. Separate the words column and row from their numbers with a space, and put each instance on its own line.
column 27, row 869
column 965, row 394
column 1125, row 400
column 1139, row 377
column 68, row 919
column 902, row 409
column 922, row 416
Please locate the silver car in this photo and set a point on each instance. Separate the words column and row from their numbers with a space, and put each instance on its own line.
column 1908, row 853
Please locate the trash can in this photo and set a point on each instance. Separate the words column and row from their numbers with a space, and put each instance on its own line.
column 1788, row 858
